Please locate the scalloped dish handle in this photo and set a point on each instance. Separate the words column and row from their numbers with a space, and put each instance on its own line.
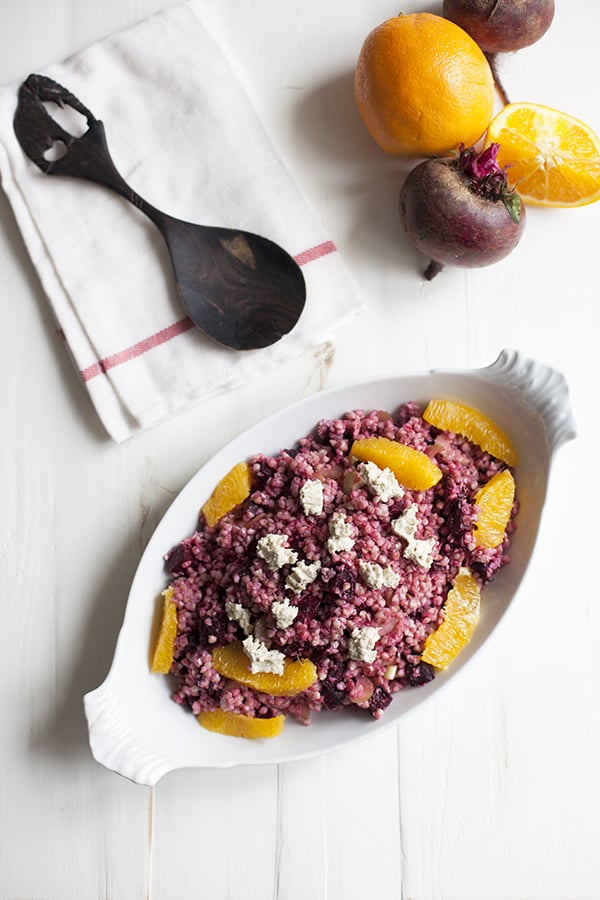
column 542, row 388
column 114, row 743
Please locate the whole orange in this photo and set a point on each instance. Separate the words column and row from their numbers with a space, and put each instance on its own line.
column 423, row 86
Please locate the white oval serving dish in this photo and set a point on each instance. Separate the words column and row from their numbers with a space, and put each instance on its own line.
column 136, row 729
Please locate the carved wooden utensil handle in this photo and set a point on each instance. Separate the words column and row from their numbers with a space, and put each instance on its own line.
column 86, row 157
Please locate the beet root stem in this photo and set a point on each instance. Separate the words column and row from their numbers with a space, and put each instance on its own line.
column 434, row 268
column 492, row 59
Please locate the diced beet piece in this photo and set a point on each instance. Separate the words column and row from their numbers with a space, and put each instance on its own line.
column 333, row 697
column 458, row 521
column 420, row 674
column 263, row 712
column 343, row 583
column 486, row 570
column 178, row 559
column 211, row 632
column 380, row 700
column 308, row 606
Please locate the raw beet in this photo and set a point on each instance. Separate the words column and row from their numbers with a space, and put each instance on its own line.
column 501, row 26
column 457, row 211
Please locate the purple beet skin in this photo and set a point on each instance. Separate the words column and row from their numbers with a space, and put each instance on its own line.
column 460, row 211
column 501, row 26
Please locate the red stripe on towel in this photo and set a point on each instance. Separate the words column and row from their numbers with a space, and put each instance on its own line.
column 315, row 253
column 183, row 325
column 155, row 340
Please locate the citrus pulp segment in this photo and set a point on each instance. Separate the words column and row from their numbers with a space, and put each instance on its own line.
column 461, row 614
column 553, row 158
column 237, row 725
column 162, row 658
column 231, row 490
column 495, row 501
column 412, row 468
column 448, row 415
column 231, row 662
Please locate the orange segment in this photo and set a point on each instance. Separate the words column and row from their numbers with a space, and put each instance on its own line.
column 231, row 490
column 461, row 611
column 554, row 159
column 412, row 468
column 231, row 662
column 237, row 725
column 162, row 658
column 495, row 501
column 472, row 424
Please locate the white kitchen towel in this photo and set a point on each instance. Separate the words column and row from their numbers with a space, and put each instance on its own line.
column 183, row 133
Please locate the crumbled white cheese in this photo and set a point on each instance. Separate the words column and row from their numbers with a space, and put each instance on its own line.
column 261, row 658
column 311, row 497
column 283, row 612
column 301, row 576
column 376, row 577
column 271, row 549
column 238, row 613
column 340, row 534
column 419, row 551
column 361, row 644
column 381, row 482
column 406, row 525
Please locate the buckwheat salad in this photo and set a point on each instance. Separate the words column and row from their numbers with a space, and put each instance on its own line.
column 329, row 558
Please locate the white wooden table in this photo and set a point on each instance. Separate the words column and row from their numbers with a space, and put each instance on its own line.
column 489, row 792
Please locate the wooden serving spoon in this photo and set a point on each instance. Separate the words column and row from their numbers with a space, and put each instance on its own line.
column 239, row 288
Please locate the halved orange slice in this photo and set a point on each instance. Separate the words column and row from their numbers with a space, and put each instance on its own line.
column 231, row 490
column 231, row 662
column 412, row 468
column 554, row 159
column 162, row 658
column 495, row 501
column 238, row 725
column 461, row 611
column 472, row 424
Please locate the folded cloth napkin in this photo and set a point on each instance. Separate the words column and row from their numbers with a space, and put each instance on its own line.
column 184, row 134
